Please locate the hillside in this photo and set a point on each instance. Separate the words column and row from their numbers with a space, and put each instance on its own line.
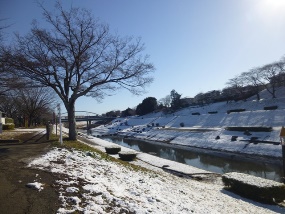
column 199, row 126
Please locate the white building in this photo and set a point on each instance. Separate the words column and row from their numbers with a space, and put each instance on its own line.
column 2, row 118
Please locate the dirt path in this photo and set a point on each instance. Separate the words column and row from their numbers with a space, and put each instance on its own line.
column 15, row 197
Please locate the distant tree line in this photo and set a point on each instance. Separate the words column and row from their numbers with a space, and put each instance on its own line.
column 247, row 84
column 28, row 106
column 170, row 103
column 241, row 87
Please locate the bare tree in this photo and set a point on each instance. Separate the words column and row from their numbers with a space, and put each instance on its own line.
column 270, row 74
column 4, row 75
column 280, row 78
column 30, row 104
column 254, row 79
column 7, row 106
column 10, row 81
column 198, row 99
column 228, row 94
column 208, row 97
column 78, row 56
column 238, row 83
column 3, row 26
column 165, row 101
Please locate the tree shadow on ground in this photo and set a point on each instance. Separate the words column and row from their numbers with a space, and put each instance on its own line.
column 274, row 208
column 4, row 150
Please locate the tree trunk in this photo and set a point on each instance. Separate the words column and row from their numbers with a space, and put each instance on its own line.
column 256, row 89
column 273, row 91
column 257, row 96
column 71, row 121
column 30, row 121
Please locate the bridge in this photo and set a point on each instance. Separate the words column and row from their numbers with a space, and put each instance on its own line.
column 87, row 117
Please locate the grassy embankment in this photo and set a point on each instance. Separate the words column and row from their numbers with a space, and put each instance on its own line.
column 67, row 144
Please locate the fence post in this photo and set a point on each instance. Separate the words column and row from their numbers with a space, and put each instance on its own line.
column 48, row 131
column 49, row 128
column 60, row 125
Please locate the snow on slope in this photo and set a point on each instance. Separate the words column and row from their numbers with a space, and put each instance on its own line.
column 211, row 125
column 94, row 185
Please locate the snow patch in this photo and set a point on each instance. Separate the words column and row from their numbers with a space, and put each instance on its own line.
column 36, row 186
column 106, row 186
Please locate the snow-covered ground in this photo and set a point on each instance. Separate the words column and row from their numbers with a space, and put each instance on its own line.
column 94, row 185
column 90, row 184
column 201, row 130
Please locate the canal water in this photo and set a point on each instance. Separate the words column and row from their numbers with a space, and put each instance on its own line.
column 212, row 161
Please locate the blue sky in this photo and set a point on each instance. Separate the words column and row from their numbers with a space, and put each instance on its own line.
column 195, row 45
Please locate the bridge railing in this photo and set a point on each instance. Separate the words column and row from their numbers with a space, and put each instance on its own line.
column 87, row 118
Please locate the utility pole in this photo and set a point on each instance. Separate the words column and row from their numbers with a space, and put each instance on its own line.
column 55, row 121
column 60, row 125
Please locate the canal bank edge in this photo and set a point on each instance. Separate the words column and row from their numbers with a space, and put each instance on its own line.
column 183, row 170
column 154, row 162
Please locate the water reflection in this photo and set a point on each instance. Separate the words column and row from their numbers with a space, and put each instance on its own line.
column 204, row 159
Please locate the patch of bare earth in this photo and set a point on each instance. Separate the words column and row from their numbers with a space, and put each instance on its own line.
column 15, row 197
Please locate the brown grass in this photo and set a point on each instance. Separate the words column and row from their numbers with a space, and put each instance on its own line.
column 86, row 148
column 15, row 135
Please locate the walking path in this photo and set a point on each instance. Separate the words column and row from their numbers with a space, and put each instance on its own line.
column 15, row 196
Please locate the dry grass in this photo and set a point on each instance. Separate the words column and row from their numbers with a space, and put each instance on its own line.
column 15, row 135
column 24, row 135
column 86, row 148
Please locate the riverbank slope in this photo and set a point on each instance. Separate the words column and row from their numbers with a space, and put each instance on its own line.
column 244, row 127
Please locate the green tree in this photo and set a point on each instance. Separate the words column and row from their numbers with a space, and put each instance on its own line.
column 148, row 105
column 128, row 112
column 175, row 100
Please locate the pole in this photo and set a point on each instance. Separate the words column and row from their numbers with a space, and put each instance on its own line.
column 55, row 121
column 56, row 126
column 60, row 125
column 282, row 141
column 283, row 158
column 0, row 122
column 48, row 130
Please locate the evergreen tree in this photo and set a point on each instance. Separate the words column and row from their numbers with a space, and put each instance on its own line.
column 175, row 100
column 148, row 105
column 128, row 112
